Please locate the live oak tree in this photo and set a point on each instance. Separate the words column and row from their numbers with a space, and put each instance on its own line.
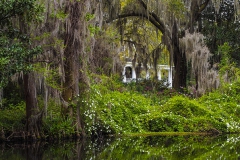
column 80, row 26
column 17, row 53
column 71, row 41
column 172, row 18
column 141, row 45
column 14, row 49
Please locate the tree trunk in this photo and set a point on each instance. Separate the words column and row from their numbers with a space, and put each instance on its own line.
column 45, row 100
column 75, row 63
column 83, row 97
column 179, row 60
column 33, row 116
column 180, row 75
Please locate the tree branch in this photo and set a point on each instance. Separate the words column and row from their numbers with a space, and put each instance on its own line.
column 196, row 12
column 144, row 15
column 203, row 6
column 152, row 14
column 133, row 42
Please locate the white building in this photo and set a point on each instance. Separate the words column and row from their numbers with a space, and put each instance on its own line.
column 129, row 73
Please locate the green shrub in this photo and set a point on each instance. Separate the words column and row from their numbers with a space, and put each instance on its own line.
column 119, row 112
column 107, row 84
column 54, row 124
column 207, row 124
column 13, row 118
column 58, row 127
column 148, row 85
column 115, row 112
column 165, row 123
column 185, row 107
column 182, row 114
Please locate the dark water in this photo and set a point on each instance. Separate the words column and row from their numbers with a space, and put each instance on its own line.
column 129, row 148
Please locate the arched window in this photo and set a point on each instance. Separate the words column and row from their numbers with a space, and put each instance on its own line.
column 128, row 72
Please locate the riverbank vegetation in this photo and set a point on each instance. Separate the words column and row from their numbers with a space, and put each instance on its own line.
column 121, row 109
column 61, row 65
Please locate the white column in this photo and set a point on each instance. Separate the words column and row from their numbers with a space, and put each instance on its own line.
column 170, row 77
column 147, row 74
column 124, row 75
column 134, row 74
column 159, row 74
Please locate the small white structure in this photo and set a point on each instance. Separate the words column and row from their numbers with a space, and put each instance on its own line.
column 129, row 73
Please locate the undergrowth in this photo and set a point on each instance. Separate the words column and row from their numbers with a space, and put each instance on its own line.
column 114, row 108
column 121, row 111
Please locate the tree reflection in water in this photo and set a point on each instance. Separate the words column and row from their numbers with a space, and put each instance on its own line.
column 124, row 148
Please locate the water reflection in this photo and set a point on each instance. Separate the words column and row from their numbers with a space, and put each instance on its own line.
column 151, row 147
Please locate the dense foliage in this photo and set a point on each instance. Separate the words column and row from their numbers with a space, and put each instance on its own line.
column 115, row 110
column 67, row 94
column 16, row 47
column 123, row 112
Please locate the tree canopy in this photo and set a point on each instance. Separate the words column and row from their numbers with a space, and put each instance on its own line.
column 173, row 18
column 16, row 46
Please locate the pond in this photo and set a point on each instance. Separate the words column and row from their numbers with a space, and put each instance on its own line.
column 129, row 148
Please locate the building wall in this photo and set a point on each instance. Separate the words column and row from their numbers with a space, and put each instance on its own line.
column 129, row 73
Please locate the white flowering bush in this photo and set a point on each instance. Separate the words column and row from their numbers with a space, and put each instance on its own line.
column 115, row 112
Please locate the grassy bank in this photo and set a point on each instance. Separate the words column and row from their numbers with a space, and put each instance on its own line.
column 120, row 109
